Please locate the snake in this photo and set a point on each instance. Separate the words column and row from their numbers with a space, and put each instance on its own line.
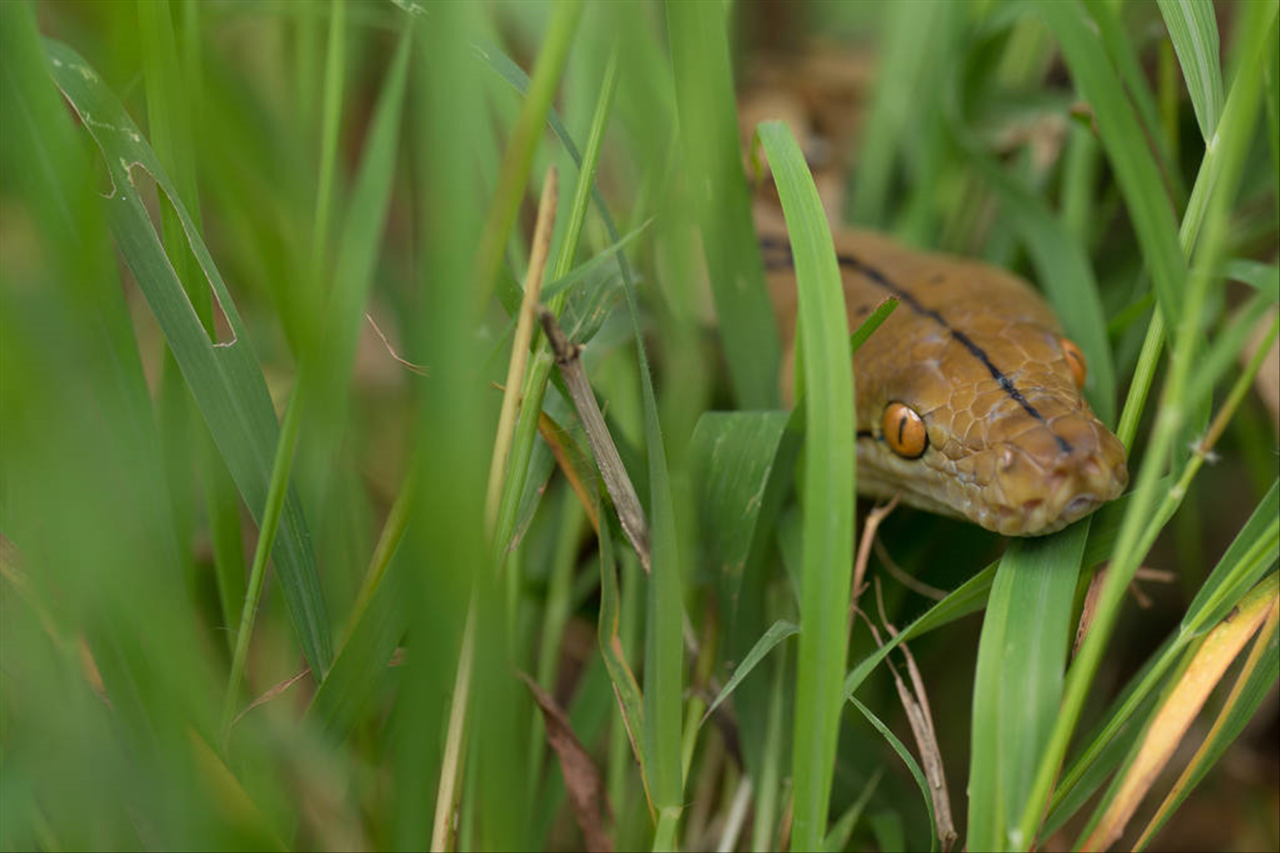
column 969, row 398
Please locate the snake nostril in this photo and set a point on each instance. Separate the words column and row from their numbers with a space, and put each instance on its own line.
column 1079, row 506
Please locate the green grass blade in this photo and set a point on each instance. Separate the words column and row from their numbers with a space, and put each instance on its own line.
column 357, row 254
column 842, row 829
column 334, row 72
column 518, row 158
column 699, row 37
column 1250, row 554
column 905, row 29
column 172, row 90
column 908, row 760
column 1265, row 278
column 1026, row 630
column 873, row 321
column 630, row 699
column 1194, row 32
column 777, row 632
column 1106, row 20
column 279, row 486
column 225, row 379
column 828, row 487
column 1124, row 142
column 1078, row 43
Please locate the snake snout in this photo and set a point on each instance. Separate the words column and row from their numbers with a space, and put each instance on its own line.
column 1046, row 490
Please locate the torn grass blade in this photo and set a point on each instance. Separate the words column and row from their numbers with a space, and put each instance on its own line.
column 224, row 377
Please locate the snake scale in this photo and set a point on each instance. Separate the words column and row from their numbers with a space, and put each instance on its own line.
column 968, row 397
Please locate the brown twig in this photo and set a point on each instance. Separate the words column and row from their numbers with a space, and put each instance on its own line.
column 616, row 480
column 901, row 576
column 877, row 515
column 520, row 345
column 1090, row 607
column 272, row 692
column 915, row 702
column 420, row 369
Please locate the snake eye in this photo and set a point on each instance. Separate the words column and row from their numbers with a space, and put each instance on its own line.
column 1075, row 360
column 904, row 430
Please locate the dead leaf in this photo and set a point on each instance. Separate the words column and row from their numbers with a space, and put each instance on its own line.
column 1179, row 710
column 581, row 777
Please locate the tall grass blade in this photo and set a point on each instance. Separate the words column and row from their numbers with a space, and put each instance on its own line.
column 1027, row 631
column 699, row 37
column 828, row 487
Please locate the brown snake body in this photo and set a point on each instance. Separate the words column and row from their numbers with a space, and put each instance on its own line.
column 975, row 363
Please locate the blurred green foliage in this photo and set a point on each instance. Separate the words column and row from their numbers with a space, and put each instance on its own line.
column 216, row 212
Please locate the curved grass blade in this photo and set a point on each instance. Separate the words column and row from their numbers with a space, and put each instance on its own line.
column 225, row 378
column 842, row 829
column 1105, row 19
column 908, row 760
column 1194, row 32
column 1265, row 278
column 777, row 632
column 828, row 498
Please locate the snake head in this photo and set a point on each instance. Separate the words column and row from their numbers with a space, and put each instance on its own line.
column 1012, row 444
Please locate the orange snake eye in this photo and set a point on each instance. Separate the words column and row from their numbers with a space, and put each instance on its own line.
column 904, row 431
column 1075, row 360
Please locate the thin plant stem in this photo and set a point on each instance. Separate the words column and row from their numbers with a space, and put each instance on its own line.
column 276, row 492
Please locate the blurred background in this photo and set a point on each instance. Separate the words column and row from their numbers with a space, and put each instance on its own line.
column 347, row 171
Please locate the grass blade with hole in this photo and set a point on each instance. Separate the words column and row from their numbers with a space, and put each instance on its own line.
column 224, row 378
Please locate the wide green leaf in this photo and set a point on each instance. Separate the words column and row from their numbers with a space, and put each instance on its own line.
column 1027, row 631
